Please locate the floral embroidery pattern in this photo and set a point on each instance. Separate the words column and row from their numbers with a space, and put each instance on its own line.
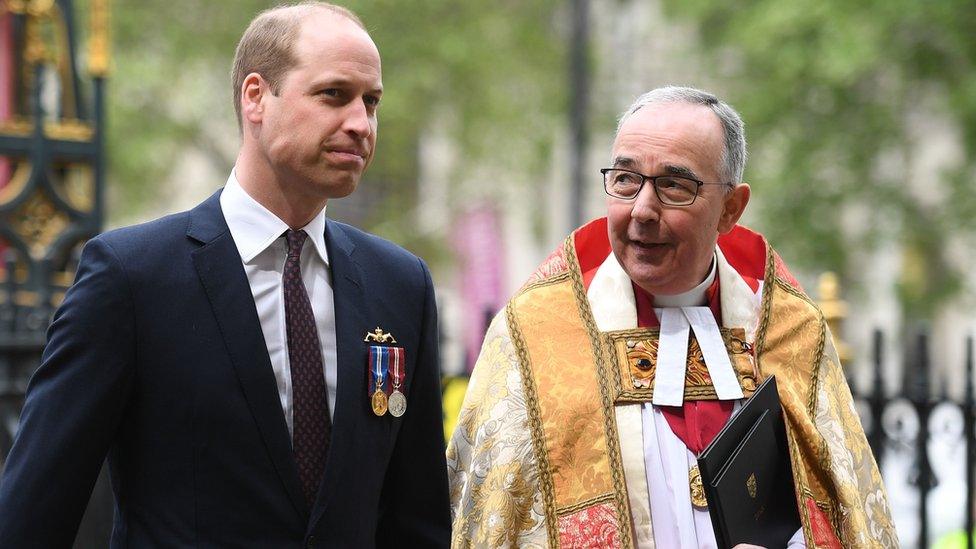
column 593, row 527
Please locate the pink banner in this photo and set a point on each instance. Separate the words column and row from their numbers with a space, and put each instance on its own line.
column 478, row 244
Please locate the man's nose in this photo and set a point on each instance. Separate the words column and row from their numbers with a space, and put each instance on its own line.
column 358, row 120
column 647, row 207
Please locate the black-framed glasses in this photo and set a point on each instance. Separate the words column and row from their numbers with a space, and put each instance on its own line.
column 672, row 190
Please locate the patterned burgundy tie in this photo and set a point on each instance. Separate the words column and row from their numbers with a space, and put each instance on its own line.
column 310, row 405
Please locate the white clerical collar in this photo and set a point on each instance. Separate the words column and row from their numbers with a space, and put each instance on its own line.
column 679, row 315
column 677, row 323
column 611, row 297
column 254, row 227
column 693, row 297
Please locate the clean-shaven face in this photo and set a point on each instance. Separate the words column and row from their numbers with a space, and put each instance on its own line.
column 319, row 131
column 668, row 250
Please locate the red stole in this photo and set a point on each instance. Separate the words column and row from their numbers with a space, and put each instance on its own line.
column 698, row 421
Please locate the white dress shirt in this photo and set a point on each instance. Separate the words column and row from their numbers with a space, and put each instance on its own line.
column 258, row 235
column 667, row 460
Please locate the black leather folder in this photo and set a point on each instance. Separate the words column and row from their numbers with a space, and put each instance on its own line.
column 747, row 475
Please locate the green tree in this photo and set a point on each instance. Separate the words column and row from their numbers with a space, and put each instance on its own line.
column 837, row 97
column 495, row 68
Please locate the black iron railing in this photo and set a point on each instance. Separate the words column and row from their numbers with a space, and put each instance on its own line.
column 909, row 429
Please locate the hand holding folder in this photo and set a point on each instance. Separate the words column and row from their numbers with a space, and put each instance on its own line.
column 748, row 478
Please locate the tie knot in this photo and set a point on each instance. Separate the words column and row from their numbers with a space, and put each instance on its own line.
column 295, row 241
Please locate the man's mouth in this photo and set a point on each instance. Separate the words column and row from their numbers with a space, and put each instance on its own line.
column 349, row 150
column 347, row 155
column 647, row 244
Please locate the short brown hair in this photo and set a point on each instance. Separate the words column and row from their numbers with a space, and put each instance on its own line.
column 268, row 43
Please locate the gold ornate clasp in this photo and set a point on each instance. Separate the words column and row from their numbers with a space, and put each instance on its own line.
column 379, row 336
column 698, row 498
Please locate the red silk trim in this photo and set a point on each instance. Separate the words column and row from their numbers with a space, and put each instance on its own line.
column 592, row 243
column 823, row 532
column 594, row 526
column 784, row 273
column 744, row 249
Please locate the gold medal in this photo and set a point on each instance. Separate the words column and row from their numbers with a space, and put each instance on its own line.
column 398, row 403
column 379, row 402
column 697, row 489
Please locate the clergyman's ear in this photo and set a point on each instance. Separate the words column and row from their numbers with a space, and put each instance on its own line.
column 735, row 203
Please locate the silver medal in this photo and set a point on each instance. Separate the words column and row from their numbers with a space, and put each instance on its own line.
column 398, row 403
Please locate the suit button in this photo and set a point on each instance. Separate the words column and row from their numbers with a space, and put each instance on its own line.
column 310, row 542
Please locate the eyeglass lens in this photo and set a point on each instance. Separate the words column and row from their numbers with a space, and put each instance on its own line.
column 674, row 190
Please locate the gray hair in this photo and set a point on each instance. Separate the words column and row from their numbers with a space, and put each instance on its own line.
column 734, row 155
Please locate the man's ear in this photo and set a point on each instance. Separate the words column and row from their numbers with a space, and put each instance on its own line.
column 253, row 90
column 735, row 203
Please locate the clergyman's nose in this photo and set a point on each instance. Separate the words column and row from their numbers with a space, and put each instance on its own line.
column 646, row 207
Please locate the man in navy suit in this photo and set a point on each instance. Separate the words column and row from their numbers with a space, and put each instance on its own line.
column 235, row 362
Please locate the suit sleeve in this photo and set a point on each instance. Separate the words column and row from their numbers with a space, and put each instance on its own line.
column 73, row 407
column 416, row 510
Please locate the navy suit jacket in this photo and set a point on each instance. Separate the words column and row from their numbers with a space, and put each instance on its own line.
column 156, row 358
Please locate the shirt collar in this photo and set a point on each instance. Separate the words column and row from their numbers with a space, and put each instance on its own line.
column 255, row 228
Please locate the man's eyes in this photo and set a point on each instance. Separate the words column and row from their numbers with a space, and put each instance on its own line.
column 624, row 178
column 370, row 100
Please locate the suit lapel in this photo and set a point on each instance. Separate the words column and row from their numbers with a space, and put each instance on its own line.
column 351, row 311
column 219, row 267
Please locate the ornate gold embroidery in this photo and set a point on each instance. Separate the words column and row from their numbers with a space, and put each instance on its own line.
column 602, row 353
column 570, row 509
column 505, row 500
column 494, row 431
column 487, row 392
column 832, row 463
column 786, row 287
column 553, row 266
column 635, row 357
column 567, row 392
column 764, row 306
column 535, row 425
column 568, row 397
column 830, row 457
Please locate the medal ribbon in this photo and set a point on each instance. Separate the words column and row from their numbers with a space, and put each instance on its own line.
column 397, row 368
column 379, row 360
